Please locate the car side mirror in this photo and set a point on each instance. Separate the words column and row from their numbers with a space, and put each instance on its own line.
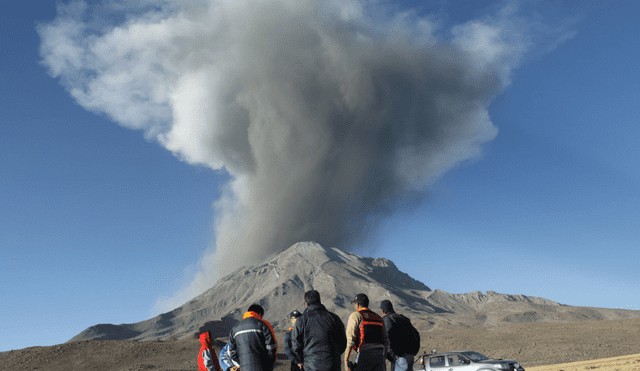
column 466, row 362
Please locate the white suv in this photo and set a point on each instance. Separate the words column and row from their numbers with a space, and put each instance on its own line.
column 466, row 361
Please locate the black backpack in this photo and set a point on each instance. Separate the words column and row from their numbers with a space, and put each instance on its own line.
column 402, row 335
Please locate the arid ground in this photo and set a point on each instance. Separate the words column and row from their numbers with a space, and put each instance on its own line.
column 538, row 346
column 622, row 363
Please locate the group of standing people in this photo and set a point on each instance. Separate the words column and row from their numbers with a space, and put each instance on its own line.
column 317, row 339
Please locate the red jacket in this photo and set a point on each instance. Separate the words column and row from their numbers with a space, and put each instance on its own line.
column 207, row 358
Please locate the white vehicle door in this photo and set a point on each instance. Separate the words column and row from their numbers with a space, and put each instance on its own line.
column 436, row 363
column 458, row 362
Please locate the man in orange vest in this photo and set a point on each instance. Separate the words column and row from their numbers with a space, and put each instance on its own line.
column 367, row 336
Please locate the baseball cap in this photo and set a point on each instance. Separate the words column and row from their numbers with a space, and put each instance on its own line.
column 295, row 314
column 361, row 299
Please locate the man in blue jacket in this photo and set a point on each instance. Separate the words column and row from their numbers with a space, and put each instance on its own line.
column 226, row 362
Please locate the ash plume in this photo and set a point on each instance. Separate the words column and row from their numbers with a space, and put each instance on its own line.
column 328, row 115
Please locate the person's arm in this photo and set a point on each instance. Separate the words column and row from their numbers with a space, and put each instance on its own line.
column 347, row 353
column 270, row 341
column 210, row 360
column 288, row 347
column 352, row 335
column 233, row 353
column 225, row 360
column 341, row 333
column 297, row 342
column 387, row 324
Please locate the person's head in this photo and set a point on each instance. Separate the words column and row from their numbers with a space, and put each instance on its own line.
column 386, row 307
column 206, row 339
column 360, row 301
column 293, row 316
column 257, row 309
column 312, row 297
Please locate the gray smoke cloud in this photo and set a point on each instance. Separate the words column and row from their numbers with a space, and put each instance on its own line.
column 328, row 115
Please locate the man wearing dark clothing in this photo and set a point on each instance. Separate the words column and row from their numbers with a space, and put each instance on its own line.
column 293, row 317
column 318, row 338
column 252, row 342
column 404, row 339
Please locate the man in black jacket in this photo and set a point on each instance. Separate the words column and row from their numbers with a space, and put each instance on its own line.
column 318, row 339
column 252, row 342
column 404, row 339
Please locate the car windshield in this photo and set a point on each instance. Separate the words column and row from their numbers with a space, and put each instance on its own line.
column 475, row 356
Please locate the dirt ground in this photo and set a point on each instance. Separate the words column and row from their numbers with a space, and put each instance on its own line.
column 623, row 363
column 537, row 346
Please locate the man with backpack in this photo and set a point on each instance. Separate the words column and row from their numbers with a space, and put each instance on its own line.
column 367, row 336
column 404, row 339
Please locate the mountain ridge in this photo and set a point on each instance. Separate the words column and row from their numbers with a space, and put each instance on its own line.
column 279, row 283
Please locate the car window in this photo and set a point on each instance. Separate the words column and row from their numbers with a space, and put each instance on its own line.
column 475, row 356
column 456, row 360
column 437, row 361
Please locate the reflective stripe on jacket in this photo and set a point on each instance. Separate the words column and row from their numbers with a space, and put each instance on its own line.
column 252, row 343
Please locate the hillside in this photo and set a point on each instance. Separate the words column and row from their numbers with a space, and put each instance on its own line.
column 279, row 284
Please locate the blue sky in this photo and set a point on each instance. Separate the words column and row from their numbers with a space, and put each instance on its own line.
column 98, row 223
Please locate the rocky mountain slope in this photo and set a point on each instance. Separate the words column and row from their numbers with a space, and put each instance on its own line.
column 280, row 283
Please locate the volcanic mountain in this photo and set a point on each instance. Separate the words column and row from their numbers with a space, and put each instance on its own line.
column 279, row 284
